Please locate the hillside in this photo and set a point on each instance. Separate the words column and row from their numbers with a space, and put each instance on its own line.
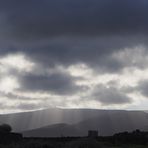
column 40, row 118
column 107, row 123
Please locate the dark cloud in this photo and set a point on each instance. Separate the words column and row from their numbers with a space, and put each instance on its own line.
column 30, row 19
column 68, row 32
column 95, row 52
column 143, row 87
column 54, row 32
column 110, row 96
column 57, row 83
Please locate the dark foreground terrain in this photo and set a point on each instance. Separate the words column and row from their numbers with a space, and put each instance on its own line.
column 68, row 124
column 135, row 139
column 69, row 143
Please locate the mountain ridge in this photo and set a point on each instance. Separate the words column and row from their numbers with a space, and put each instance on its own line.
column 35, row 119
column 107, row 123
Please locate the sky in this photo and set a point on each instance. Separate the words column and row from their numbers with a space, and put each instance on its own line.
column 73, row 54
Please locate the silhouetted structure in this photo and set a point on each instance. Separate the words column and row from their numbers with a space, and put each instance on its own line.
column 92, row 133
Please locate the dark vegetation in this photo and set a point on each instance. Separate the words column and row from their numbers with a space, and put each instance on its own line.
column 135, row 139
column 6, row 136
column 5, row 128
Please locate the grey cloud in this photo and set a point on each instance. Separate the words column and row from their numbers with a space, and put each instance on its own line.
column 110, row 96
column 68, row 32
column 30, row 19
column 95, row 52
column 143, row 87
column 3, row 106
column 58, row 83
column 29, row 106
column 21, row 106
column 14, row 96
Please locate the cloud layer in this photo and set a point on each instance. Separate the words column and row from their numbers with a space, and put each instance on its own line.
column 82, row 53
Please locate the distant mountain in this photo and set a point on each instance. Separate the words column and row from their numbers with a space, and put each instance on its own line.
column 36, row 119
column 115, row 122
column 106, row 122
column 56, row 130
column 146, row 111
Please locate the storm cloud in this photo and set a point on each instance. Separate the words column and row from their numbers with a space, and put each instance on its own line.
column 108, row 96
column 143, row 87
column 41, row 19
column 58, row 83
column 70, row 32
column 73, row 48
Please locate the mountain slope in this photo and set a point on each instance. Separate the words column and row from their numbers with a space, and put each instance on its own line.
column 56, row 130
column 40, row 118
column 107, row 123
column 111, row 123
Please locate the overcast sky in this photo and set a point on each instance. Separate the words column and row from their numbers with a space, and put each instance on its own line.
column 73, row 54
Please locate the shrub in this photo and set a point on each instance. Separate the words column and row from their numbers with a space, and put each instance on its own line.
column 5, row 128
